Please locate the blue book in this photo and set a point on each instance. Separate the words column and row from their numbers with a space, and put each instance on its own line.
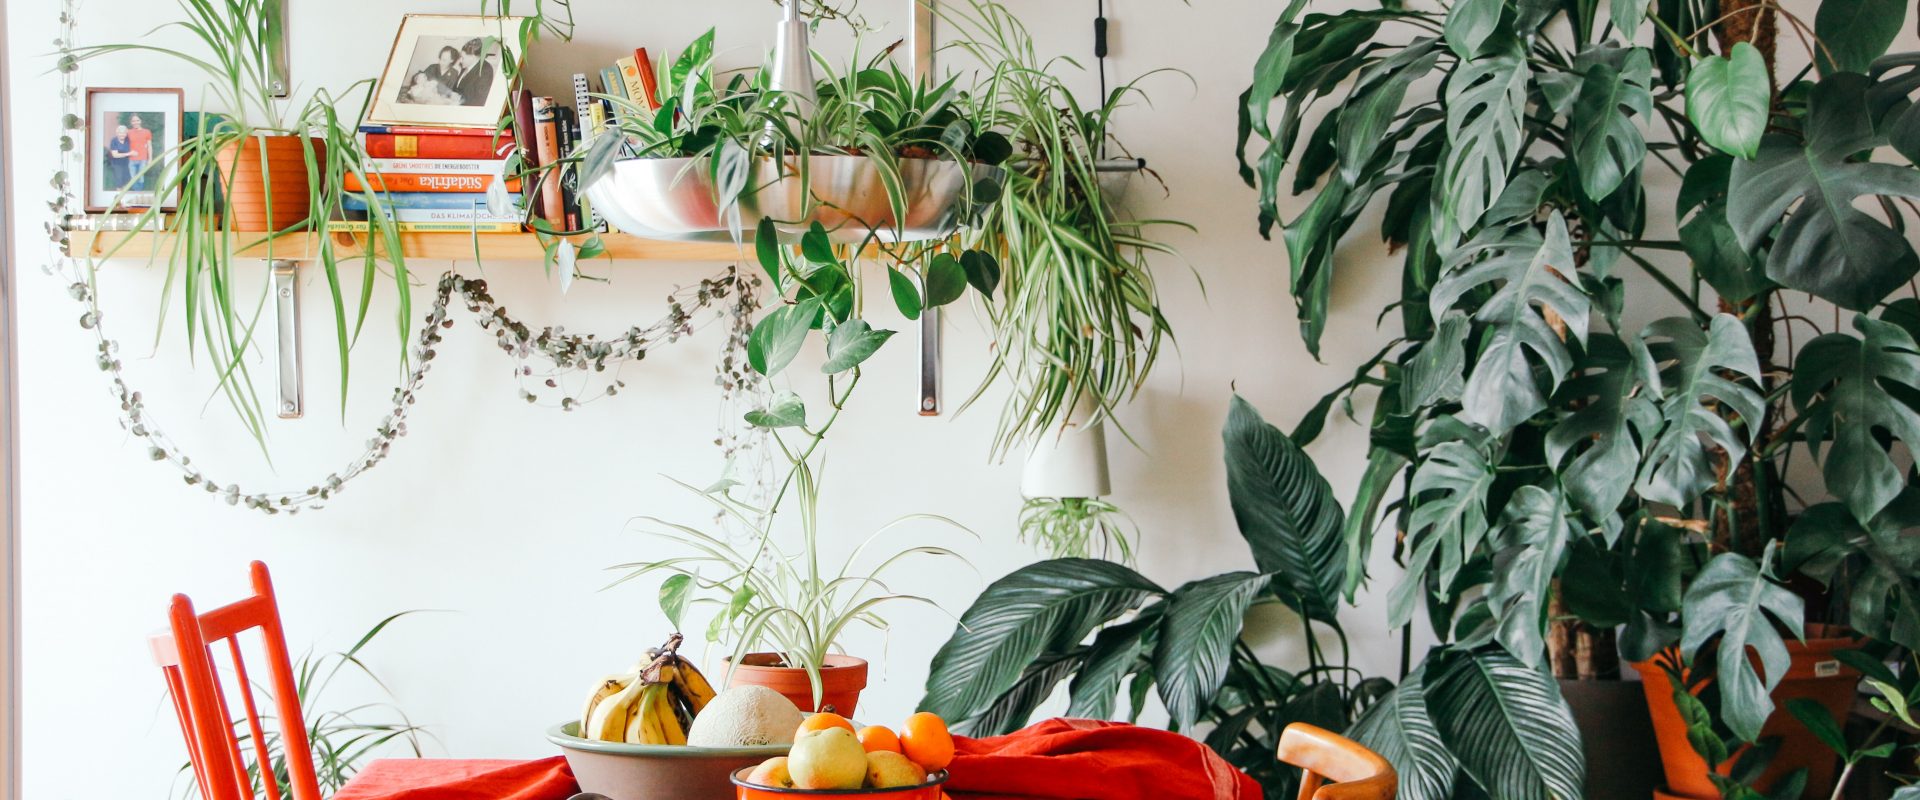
column 462, row 201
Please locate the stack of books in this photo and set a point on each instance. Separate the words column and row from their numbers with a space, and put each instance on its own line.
column 434, row 180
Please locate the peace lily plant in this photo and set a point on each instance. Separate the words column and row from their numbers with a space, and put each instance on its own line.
column 1559, row 464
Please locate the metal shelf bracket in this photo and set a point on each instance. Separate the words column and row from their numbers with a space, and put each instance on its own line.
column 286, row 314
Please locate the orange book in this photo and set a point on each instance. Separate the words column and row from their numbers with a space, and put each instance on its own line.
column 391, row 182
column 389, row 145
column 648, row 82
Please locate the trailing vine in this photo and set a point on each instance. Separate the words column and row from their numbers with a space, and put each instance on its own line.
column 731, row 296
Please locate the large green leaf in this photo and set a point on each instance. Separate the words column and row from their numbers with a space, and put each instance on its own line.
column 1470, row 23
column 1196, row 642
column 1401, row 729
column 1531, row 544
column 1374, row 103
column 1607, row 145
column 1046, row 607
column 1116, row 652
column 1013, row 708
column 1727, row 99
column 1685, row 367
column 1882, row 566
column 1534, row 274
column 1826, row 245
column 1448, row 522
column 1734, row 599
column 1610, row 421
column 779, row 336
column 1383, row 467
column 1286, row 511
column 1853, row 33
column 1509, row 727
column 1484, row 100
column 1841, row 387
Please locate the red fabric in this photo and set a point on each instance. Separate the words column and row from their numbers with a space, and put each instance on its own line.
column 456, row 779
column 1078, row 759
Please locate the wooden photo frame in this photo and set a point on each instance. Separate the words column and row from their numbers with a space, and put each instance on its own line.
column 130, row 133
column 447, row 71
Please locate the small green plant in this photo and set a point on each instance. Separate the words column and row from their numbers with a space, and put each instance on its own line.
column 1078, row 527
column 342, row 740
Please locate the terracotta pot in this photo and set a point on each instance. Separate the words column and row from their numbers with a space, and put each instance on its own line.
column 1622, row 760
column 247, row 184
column 1814, row 674
column 841, row 680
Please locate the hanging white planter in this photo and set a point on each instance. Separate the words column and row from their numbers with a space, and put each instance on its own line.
column 1070, row 460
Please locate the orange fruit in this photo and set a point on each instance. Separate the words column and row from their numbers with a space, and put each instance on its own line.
column 877, row 738
column 824, row 720
column 925, row 739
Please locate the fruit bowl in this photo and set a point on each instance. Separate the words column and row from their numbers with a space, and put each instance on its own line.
column 656, row 771
column 923, row 791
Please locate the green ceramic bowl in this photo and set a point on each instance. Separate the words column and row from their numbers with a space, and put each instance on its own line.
column 655, row 771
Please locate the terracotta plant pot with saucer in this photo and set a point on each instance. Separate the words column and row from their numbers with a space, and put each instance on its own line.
column 841, row 679
column 1814, row 674
column 282, row 175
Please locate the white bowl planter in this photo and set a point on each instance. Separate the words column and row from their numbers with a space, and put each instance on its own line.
column 1070, row 460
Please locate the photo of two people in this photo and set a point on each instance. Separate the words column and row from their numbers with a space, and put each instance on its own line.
column 450, row 71
column 128, row 149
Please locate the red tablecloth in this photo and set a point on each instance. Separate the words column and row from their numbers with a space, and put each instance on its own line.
column 1059, row 759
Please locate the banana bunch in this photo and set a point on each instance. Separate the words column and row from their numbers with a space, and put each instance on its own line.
column 653, row 704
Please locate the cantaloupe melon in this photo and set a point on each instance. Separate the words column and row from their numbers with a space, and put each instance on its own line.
column 745, row 716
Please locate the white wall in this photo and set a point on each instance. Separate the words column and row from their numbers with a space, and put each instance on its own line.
column 503, row 515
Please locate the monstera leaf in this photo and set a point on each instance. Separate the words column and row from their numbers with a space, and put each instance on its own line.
column 1611, row 419
column 1449, row 518
column 1534, row 274
column 1853, row 33
column 1202, row 624
column 1841, row 387
column 1607, row 145
column 1286, row 512
column 1401, row 729
column 1733, row 598
column 1044, row 608
column 1884, row 577
column 1509, row 727
column 1684, row 365
column 1826, row 245
column 1484, row 100
column 1532, row 542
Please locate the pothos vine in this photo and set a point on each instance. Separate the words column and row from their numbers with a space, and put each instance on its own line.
column 731, row 296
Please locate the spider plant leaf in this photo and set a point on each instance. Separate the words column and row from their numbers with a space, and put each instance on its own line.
column 1047, row 607
column 1286, row 512
column 1401, row 729
column 1734, row 599
column 1203, row 624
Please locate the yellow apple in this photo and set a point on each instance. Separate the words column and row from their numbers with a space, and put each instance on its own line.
column 887, row 769
column 827, row 759
column 771, row 772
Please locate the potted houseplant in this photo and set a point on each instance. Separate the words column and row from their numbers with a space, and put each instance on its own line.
column 784, row 606
column 1552, row 449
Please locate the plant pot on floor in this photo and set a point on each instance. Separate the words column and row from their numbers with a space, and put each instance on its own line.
column 1814, row 674
column 841, row 679
column 281, row 175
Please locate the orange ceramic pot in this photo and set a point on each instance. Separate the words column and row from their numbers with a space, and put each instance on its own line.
column 281, row 175
column 1814, row 674
column 841, row 680
column 927, row 791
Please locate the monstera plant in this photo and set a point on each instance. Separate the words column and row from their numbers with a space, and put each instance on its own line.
column 1562, row 465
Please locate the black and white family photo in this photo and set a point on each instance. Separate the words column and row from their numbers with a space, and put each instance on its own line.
column 447, row 71
column 450, row 71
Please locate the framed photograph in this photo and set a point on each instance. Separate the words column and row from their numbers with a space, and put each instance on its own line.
column 447, row 72
column 129, row 134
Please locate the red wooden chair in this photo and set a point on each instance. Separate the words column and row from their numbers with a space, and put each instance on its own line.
column 185, row 655
column 1335, row 767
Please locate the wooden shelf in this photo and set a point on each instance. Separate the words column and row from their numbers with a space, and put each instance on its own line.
column 124, row 245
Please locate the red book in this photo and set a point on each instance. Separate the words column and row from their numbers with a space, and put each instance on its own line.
column 393, row 145
column 426, row 182
column 547, row 140
column 647, row 78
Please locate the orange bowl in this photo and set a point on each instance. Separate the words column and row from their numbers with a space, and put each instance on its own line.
column 926, row 791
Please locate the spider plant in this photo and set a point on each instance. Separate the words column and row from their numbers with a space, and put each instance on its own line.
column 1079, row 316
column 1078, row 527
column 341, row 740
column 238, row 104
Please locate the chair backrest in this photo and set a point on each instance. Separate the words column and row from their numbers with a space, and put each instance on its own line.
column 1335, row 767
column 186, row 656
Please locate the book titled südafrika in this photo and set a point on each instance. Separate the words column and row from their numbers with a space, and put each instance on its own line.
column 362, row 226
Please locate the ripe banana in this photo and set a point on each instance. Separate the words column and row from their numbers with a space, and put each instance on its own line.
column 653, row 704
column 611, row 716
column 645, row 726
column 607, row 687
column 691, row 685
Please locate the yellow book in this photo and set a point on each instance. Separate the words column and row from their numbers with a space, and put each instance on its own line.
column 636, row 85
